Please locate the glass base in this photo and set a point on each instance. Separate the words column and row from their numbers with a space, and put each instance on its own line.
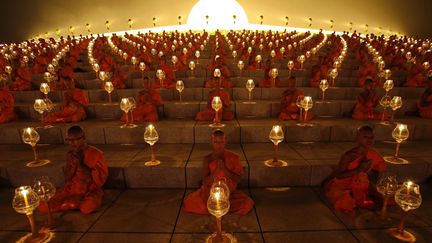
column 45, row 126
column 152, row 163
column 305, row 124
column 37, row 163
column 386, row 220
column 401, row 235
column 322, row 102
column 395, row 160
column 130, row 125
column 224, row 238
column 217, row 125
column 278, row 163
column 385, row 123
column 44, row 235
column 181, row 103
column 249, row 102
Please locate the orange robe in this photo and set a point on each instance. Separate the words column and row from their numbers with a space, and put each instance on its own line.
column 345, row 194
column 425, row 105
column 289, row 108
column 22, row 80
column 86, row 172
column 146, row 110
column 240, row 203
column 73, row 109
column 7, row 112
column 209, row 114
column 415, row 77
column 365, row 106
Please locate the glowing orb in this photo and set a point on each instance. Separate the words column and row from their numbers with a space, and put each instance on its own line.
column 211, row 14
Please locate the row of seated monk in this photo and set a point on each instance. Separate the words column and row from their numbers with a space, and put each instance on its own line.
column 75, row 101
column 347, row 188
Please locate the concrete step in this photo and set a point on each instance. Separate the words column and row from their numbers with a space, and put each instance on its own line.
column 308, row 164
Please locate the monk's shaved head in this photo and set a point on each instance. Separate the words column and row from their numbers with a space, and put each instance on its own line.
column 76, row 131
column 218, row 133
column 364, row 128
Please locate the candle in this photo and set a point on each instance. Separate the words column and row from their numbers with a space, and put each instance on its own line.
column 24, row 193
column 409, row 184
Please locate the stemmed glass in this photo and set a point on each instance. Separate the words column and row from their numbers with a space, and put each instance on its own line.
column 385, row 103
column 323, row 86
column 180, row 87
column 40, row 106
column 276, row 136
column 96, row 68
column 8, row 70
column 151, row 137
column 197, row 55
column 134, row 62
column 333, row 75
column 301, row 59
column 30, row 136
column 240, row 66
column 290, row 67
column 395, row 103
column 192, row 67
column 388, row 85
column 142, row 68
column 250, row 85
column 299, row 102
column 306, row 104
column 125, row 106
column 174, row 61
column 408, row 197
column 387, row 186
column 400, row 134
column 160, row 74
column 45, row 89
column 216, row 105
column 274, row 73
column 24, row 202
column 45, row 189
column 218, row 205
column 132, row 104
column 109, row 88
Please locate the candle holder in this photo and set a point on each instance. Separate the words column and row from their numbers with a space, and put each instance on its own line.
column 395, row 103
column 324, row 85
column 274, row 73
column 125, row 107
column 400, row 134
column 192, row 67
column 45, row 189
column 134, row 62
column 132, row 104
column 290, row 67
column 8, row 70
column 306, row 104
column 31, row 136
column 174, row 61
column 197, row 56
column 333, row 74
column 301, row 59
column 45, row 89
column 387, row 186
column 240, row 66
column 180, row 87
column 142, row 68
column 408, row 197
column 109, row 88
column 216, row 105
column 218, row 205
column 25, row 202
column 96, row 68
column 151, row 137
column 388, row 85
column 41, row 106
column 250, row 85
column 276, row 136
column 161, row 76
column 385, row 103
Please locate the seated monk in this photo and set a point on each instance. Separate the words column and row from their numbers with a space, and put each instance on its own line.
column 73, row 108
column 218, row 78
column 348, row 187
column 7, row 112
column 148, row 101
column 415, row 77
column 22, row 80
column 162, row 82
column 256, row 64
column 366, row 103
column 86, row 172
column 424, row 106
column 269, row 81
column 289, row 108
column 221, row 164
column 209, row 114
column 366, row 70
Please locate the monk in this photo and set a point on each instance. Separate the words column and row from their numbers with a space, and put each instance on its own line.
column 22, row 80
column 348, row 187
column 86, row 173
column 424, row 106
column 366, row 102
column 220, row 164
column 209, row 114
column 148, row 101
column 73, row 108
column 7, row 112
column 218, row 78
column 289, row 108
column 415, row 77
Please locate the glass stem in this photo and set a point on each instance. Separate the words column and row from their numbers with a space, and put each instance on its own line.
column 401, row 227
column 142, row 75
column 50, row 217
column 383, row 114
column 216, row 120
column 276, row 150
column 305, row 115
column 301, row 114
column 132, row 117
column 218, row 227
column 42, row 119
column 109, row 98
column 397, row 149
column 250, row 97
column 46, row 96
column 180, row 93
column 153, row 156
column 35, row 154
column 384, row 208
column 393, row 115
column 127, row 117
column 32, row 224
column 289, row 74
column 323, row 95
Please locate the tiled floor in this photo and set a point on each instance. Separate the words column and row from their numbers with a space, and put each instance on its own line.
column 297, row 214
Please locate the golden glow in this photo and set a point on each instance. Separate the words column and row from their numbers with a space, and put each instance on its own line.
column 211, row 15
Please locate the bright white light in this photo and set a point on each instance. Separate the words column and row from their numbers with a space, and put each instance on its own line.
column 220, row 15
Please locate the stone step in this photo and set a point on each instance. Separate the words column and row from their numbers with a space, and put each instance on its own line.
column 238, row 131
column 308, row 164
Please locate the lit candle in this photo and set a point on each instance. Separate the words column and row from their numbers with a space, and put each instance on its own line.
column 24, row 193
